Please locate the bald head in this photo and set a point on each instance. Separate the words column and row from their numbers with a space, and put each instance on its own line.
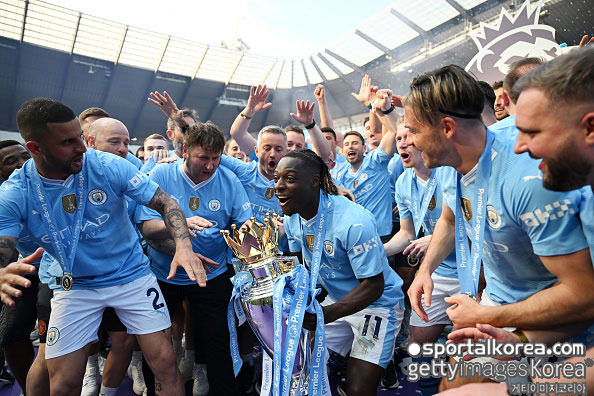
column 109, row 135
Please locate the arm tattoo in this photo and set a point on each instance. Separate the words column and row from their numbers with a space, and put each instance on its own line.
column 7, row 250
column 174, row 218
column 165, row 246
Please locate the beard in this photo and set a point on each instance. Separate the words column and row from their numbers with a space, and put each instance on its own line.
column 567, row 171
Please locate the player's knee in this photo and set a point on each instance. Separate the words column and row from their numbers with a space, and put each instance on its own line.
column 360, row 387
column 162, row 360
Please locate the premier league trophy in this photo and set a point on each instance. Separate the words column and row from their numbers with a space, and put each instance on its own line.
column 256, row 253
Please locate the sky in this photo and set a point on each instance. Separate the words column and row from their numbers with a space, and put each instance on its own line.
column 279, row 28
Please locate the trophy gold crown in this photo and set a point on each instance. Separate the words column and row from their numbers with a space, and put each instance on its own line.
column 257, row 243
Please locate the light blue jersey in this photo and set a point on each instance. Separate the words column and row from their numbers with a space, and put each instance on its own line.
column 340, row 159
column 150, row 162
column 524, row 219
column 134, row 160
column 395, row 168
column 108, row 251
column 371, row 186
column 587, row 217
column 259, row 189
column 448, row 267
column 352, row 251
column 506, row 128
column 26, row 246
column 220, row 199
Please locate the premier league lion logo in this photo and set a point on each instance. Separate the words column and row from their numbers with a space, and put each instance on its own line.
column 511, row 39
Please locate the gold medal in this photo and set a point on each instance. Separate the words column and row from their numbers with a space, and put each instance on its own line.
column 413, row 261
column 67, row 281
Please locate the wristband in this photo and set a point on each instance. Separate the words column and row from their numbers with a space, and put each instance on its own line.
column 520, row 334
column 369, row 106
column 246, row 117
column 313, row 124
column 391, row 109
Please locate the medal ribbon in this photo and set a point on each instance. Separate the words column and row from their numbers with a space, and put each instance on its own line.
column 50, row 224
column 239, row 280
column 469, row 274
column 420, row 212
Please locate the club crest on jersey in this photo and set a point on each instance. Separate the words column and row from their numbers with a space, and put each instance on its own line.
column 269, row 193
column 53, row 335
column 466, row 208
column 432, row 203
column 493, row 217
column 329, row 248
column 363, row 176
column 194, row 203
column 97, row 196
column 214, row 205
column 309, row 241
column 69, row 203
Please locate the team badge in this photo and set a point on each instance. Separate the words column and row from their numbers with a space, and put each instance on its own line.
column 466, row 208
column 69, row 203
column 355, row 183
column 432, row 203
column 309, row 241
column 493, row 217
column 269, row 193
column 194, row 203
column 214, row 205
column 329, row 248
column 53, row 335
column 97, row 197
column 363, row 176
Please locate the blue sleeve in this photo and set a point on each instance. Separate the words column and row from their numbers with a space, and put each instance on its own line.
column 12, row 198
column 446, row 178
column 128, row 180
column 293, row 234
column 242, row 209
column 380, row 157
column 363, row 247
column 549, row 218
column 148, row 165
column 243, row 170
column 134, row 160
column 144, row 213
column 403, row 208
column 252, row 156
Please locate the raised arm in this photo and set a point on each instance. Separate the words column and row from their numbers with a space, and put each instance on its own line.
column 169, row 108
column 177, row 226
column 239, row 129
column 325, row 117
column 384, row 109
column 305, row 116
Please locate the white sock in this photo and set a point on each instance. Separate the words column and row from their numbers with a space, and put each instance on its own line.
column 107, row 391
column 189, row 354
column 93, row 361
column 136, row 357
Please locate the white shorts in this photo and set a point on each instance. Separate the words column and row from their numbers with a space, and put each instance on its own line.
column 442, row 287
column 369, row 334
column 76, row 314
